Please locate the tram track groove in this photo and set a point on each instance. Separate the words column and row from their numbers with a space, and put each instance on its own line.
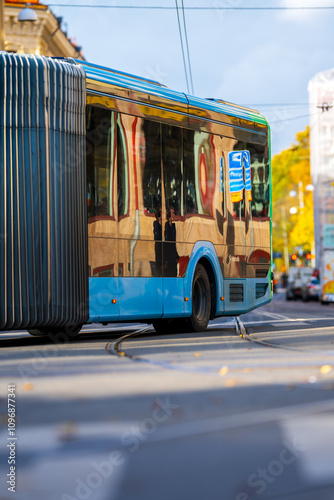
column 114, row 348
column 241, row 331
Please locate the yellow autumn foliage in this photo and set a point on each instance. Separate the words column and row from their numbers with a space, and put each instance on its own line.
column 291, row 173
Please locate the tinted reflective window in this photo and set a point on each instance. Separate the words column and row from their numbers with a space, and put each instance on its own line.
column 189, row 184
column 205, row 172
column 100, row 154
column 222, row 184
column 171, row 160
column 260, row 182
column 122, row 170
column 152, row 168
column 259, row 177
column 199, row 172
column 239, row 165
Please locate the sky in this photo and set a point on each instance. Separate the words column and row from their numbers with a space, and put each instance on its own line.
column 261, row 59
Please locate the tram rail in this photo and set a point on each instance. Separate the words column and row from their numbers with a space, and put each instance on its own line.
column 115, row 348
column 242, row 332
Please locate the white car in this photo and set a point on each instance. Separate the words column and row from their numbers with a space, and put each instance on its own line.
column 298, row 277
column 311, row 289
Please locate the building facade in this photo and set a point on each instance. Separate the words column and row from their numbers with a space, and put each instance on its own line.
column 44, row 36
column 321, row 101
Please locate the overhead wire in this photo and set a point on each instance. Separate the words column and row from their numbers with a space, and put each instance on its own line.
column 182, row 48
column 278, row 105
column 311, row 126
column 295, row 118
column 165, row 7
column 187, row 45
column 187, row 61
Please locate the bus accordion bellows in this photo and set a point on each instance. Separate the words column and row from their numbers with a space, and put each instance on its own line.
column 122, row 200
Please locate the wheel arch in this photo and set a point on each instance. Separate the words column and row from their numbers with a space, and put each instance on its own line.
column 213, row 285
column 204, row 253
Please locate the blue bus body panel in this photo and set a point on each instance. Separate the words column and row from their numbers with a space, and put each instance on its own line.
column 140, row 298
column 43, row 248
column 101, row 293
column 174, row 305
column 137, row 298
column 254, row 293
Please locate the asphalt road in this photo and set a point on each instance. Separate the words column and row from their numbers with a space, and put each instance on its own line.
column 206, row 416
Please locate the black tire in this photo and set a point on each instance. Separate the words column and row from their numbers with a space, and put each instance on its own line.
column 168, row 325
column 159, row 326
column 201, row 302
column 324, row 303
column 37, row 333
column 60, row 334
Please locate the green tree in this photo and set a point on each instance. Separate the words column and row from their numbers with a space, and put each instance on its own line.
column 291, row 172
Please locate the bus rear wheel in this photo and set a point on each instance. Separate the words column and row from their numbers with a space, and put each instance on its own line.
column 201, row 301
column 201, row 308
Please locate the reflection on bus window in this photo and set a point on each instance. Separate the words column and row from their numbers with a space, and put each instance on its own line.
column 199, row 172
column 171, row 160
column 122, row 170
column 260, row 182
column 237, row 179
column 104, row 271
column 189, row 192
column 100, row 154
column 222, row 185
column 170, row 255
column 151, row 182
column 205, row 172
column 258, row 199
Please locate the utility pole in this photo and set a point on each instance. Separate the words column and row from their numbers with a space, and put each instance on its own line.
column 285, row 239
column 301, row 196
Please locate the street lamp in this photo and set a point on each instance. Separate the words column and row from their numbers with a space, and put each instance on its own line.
column 293, row 194
column 27, row 14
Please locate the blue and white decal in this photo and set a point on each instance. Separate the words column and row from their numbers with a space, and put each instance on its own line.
column 238, row 161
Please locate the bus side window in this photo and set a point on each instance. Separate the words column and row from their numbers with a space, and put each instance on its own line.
column 260, row 182
column 122, row 170
column 172, row 166
column 151, row 181
column 189, row 184
column 237, row 181
column 100, row 154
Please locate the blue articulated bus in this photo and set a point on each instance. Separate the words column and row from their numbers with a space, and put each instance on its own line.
column 122, row 200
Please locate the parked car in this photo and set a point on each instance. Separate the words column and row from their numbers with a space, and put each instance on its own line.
column 311, row 289
column 298, row 277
